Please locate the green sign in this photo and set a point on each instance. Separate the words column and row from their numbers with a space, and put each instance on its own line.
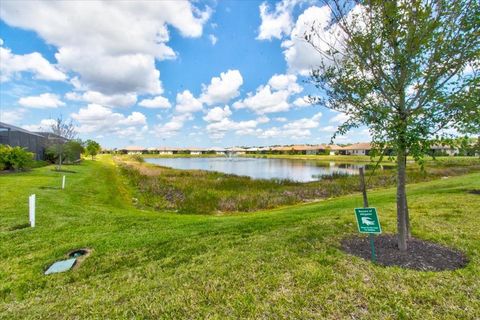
column 367, row 220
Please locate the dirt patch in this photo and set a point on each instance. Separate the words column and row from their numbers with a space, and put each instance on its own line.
column 421, row 255
column 80, row 254
column 475, row 191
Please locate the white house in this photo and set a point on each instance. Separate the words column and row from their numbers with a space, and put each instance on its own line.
column 442, row 150
column 134, row 150
column 357, row 149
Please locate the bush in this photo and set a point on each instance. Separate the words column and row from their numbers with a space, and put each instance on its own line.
column 73, row 149
column 16, row 158
column 4, row 152
column 136, row 157
column 69, row 152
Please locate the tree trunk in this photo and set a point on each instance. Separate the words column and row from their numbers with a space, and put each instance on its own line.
column 401, row 201
column 407, row 213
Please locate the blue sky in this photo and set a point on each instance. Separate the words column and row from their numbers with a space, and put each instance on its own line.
column 160, row 73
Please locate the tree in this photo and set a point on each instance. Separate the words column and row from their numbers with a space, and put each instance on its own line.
column 407, row 70
column 72, row 150
column 63, row 132
column 92, row 148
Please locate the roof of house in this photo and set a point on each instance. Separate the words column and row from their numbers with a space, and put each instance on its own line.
column 305, row 147
column 15, row 128
column 167, row 148
column 445, row 147
column 322, row 147
column 281, row 148
column 333, row 147
column 133, row 148
column 359, row 146
column 51, row 136
column 235, row 149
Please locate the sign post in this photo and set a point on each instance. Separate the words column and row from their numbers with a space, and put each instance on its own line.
column 63, row 182
column 367, row 218
column 31, row 207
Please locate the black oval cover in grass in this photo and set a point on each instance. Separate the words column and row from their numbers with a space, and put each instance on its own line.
column 421, row 255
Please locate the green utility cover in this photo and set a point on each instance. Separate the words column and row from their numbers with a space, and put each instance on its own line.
column 61, row 266
column 367, row 220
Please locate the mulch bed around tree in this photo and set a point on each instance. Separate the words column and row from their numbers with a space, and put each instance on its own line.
column 420, row 255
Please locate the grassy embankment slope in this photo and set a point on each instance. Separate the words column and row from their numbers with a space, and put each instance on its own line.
column 281, row 263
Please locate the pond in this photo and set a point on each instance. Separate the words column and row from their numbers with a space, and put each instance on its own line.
column 262, row 168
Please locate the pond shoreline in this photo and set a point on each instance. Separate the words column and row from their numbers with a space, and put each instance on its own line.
column 209, row 192
column 297, row 170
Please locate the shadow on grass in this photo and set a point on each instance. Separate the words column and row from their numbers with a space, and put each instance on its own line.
column 475, row 191
column 421, row 255
column 19, row 226
column 62, row 170
column 49, row 188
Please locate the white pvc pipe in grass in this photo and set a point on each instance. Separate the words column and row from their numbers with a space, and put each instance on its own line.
column 31, row 205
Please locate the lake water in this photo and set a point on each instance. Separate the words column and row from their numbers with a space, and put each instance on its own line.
column 258, row 168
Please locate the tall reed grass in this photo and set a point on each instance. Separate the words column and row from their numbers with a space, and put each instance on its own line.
column 206, row 192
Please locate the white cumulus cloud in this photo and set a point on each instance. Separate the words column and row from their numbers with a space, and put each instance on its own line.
column 222, row 89
column 217, row 130
column 111, row 45
column 172, row 127
column 217, row 114
column 43, row 101
column 157, row 102
column 285, row 82
column 187, row 103
column 96, row 118
column 13, row 64
column 12, row 116
column 301, row 57
column 113, row 101
column 302, row 102
column 277, row 22
column 339, row 118
column 272, row 97
column 295, row 129
column 44, row 125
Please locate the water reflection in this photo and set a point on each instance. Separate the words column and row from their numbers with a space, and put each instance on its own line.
column 295, row 170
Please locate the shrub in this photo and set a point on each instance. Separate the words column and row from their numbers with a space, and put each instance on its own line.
column 16, row 158
column 67, row 152
column 4, row 152
column 73, row 149
column 136, row 157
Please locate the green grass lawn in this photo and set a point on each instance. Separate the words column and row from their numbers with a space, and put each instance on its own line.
column 282, row 263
